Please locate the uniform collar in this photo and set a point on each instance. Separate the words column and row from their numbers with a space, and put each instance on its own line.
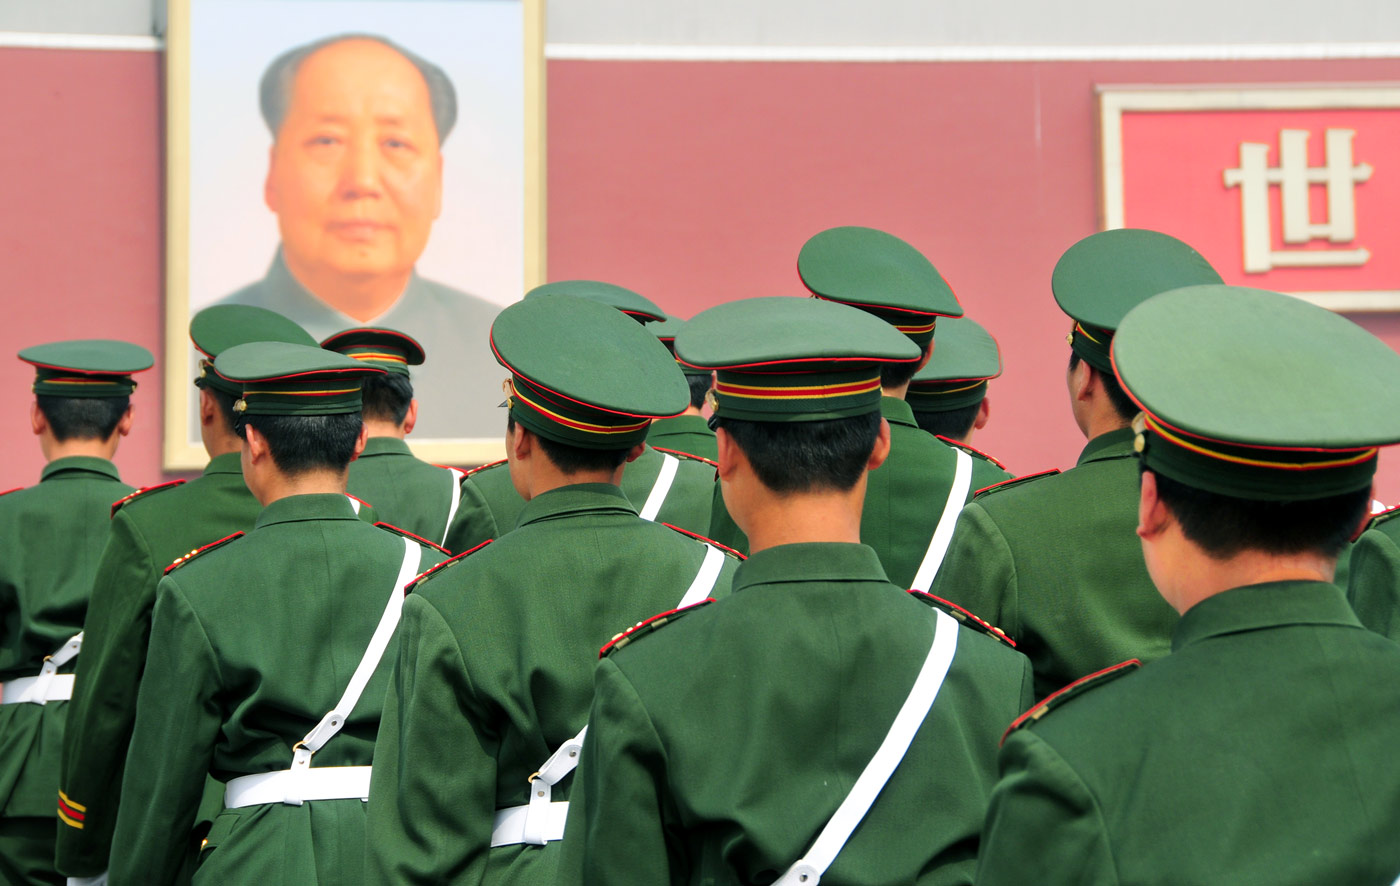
column 680, row 424
column 1268, row 605
column 228, row 463
column 79, row 464
column 298, row 508
column 567, row 501
column 1114, row 444
column 810, row 561
column 385, row 446
column 897, row 411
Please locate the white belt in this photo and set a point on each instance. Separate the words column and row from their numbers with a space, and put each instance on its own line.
column 510, row 824
column 664, row 478
column 457, row 477
column 60, row 688
column 943, row 532
column 294, row 787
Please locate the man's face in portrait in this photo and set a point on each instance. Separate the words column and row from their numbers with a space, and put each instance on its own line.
column 355, row 174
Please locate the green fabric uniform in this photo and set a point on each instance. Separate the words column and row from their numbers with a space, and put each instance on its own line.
column 252, row 642
column 684, row 433
column 1259, row 751
column 405, row 490
column 51, row 538
column 1373, row 580
column 986, row 471
column 721, row 744
column 496, row 671
column 1054, row 560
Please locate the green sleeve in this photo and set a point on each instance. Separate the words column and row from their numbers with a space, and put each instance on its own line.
column 433, row 789
column 1373, row 586
column 978, row 573
column 172, row 745
column 621, row 823
column 1044, row 825
column 473, row 522
column 100, row 716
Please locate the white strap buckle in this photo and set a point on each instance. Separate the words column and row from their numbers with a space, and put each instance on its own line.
column 38, row 691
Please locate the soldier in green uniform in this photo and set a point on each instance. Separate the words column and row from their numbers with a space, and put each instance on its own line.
column 668, row 487
column 725, row 746
column 150, row 528
column 51, row 537
column 405, row 491
column 1373, row 582
column 1262, row 749
column 1052, row 559
column 256, row 636
column 949, row 395
column 688, row 432
column 496, row 662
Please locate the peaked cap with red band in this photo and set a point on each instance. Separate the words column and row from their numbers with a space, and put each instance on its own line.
column 584, row 374
column 881, row 274
column 792, row 359
column 956, row 375
column 86, row 368
column 634, row 305
column 278, row 378
column 220, row 327
column 386, row 349
column 1255, row 394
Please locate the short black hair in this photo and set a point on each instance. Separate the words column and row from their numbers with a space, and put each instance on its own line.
column 387, row 396
column 806, row 456
column 892, row 375
column 575, row 459
column 1122, row 403
column 699, row 387
column 275, row 90
column 1224, row 526
column 301, row 443
column 951, row 423
column 82, row 418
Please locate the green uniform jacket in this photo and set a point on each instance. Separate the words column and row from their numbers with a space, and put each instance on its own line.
column 684, row 433
column 986, row 471
column 51, row 538
column 721, row 745
column 1261, row 751
column 491, row 507
column 1373, row 584
column 252, row 643
column 495, row 672
column 405, row 491
column 148, row 532
column 1055, row 561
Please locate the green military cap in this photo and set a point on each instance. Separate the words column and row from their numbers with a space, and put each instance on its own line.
column 583, row 374
column 956, row 375
column 87, row 368
column 792, row 359
column 278, row 378
column 220, row 327
column 634, row 305
column 665, row 332
column 879, row 273
column 388, row 349
column 1257, row 395
column 1105, row 275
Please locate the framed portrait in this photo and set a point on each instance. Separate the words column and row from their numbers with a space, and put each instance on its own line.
column 357, row 163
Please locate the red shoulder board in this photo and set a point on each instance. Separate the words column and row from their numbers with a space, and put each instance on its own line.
column 690, row 455
column 709, row 541
column 18, row 488
column 958, row 444
column 181, row 561
column 1015, row 481
column 1060, row 696
column 490, row 464
column 362, row 502
column 426, row 574
column 142, row 491
column 1376, row 520
column 645, row 627
column 967, row 618
column 406, row 534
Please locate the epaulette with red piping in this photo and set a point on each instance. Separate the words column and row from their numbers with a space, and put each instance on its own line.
column 1073, row 690
column 1378, row 519
column 1014, row 481
column 646, row 627
column 437, row 570
column 460, row 472
column 489, row 464
column 406, row 534
column 17, row 489
column 181, row 561
column 143, row 491
column 962, row 615
column 709, row 541
column 970, row 450
column 690, row 455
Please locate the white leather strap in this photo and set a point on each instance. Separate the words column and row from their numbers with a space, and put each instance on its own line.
column 457, row 477
column 46, row 686
column 99, row 880
column 705, row 579
column 808, row 870
column 295, row 788
column 354, row 504
column 508, row 829
column 943, row 532
column 669, row 465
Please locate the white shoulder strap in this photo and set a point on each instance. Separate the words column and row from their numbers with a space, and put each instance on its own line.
column 704, row 579
column 38, row 691
column 808, row 870
column 457, row 477
column 943, row 532
column 669, row 464
column 354, row 504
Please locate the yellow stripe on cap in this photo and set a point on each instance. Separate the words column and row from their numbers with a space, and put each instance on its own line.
column 1157, row 428
column 797, row 392
column 586, row 427
column 919, row 329
column 322, row 393
column 1079, row 327
column 373, row 355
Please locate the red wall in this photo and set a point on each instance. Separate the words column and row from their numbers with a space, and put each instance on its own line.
column 693, row 183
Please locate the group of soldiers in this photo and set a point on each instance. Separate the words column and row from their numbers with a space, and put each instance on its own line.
column 813, row 637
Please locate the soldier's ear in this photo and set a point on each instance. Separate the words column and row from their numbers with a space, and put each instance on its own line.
column 37, row 419
column 124, row 424
column 636, row 452
column 984, row 414
column 360, row 441
column 882, row 447
column 1153, row 516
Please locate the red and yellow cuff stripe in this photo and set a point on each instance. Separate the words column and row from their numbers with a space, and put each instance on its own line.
column 1292, row 462
column 578, row 424
column 797, row 392
column 70, row 813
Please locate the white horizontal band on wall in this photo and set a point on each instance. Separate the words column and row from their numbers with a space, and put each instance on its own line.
column 118, row 42
column 1192, row 52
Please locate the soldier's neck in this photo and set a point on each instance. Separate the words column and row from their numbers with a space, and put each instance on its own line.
column 275, row 485
column 384, row 429
column 54, row 449
column 770, row 519
column 898, row 392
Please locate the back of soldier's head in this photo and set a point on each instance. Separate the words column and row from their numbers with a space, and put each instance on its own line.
column 83, row 388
